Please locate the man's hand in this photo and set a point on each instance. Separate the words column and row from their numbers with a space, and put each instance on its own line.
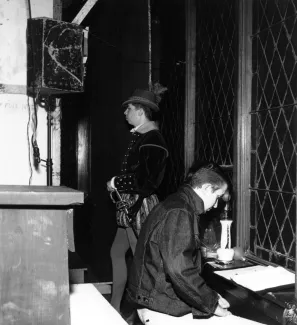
column 109, row 187
column 221, row 309
column 223, row 302
column 222, row 312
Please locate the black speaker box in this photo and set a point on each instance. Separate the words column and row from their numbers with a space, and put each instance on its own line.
column 54, row 56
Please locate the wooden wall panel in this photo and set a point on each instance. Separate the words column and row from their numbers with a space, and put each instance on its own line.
column 34, row 287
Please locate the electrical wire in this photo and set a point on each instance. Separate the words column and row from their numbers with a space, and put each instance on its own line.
column 33, row 118
column 149, row 44
column 28, row 140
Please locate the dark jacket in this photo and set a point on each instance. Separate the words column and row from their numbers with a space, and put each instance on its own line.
column 165, row 273
column 144, row 163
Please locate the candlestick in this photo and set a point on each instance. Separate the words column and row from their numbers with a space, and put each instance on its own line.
column 226, row 233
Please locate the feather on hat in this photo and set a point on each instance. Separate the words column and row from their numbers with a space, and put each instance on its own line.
column 146, row 97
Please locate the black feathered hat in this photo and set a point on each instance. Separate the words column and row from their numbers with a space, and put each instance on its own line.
column 148, row 98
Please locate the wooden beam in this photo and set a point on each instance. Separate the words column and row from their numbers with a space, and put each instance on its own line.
column 295, row 296
column 13, row 89
column 84, row 11
column 57, row 12
column 190, row 102
column 242, row 123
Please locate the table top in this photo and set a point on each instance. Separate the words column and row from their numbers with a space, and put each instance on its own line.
column 269, row 305
column 39, row 195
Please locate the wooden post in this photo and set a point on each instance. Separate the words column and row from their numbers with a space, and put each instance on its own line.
column 190, row 83
column 84, row 11
column 242, row 122
column 57, row 9
column 290, row 312
column 296, row 243
column 83, row 153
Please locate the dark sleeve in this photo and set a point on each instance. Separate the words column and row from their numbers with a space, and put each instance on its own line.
column 148, row 174
column 178, row 248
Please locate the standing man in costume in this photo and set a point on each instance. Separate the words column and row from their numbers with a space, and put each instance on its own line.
column 165, row 281
column 142, row 172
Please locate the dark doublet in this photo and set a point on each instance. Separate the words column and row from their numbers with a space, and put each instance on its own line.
column 143, row 165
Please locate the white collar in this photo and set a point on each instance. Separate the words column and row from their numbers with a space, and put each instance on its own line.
column 145, row 127
column 136, row 128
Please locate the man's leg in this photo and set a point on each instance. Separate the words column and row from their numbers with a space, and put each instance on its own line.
column 132, row 239
column 131, row 318
column 118, row 252
column 149, row 317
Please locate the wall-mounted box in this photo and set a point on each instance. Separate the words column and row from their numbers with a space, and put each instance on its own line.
column 54, row 56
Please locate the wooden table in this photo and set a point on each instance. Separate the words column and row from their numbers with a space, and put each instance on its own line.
column 34, row 283
column 262, row 307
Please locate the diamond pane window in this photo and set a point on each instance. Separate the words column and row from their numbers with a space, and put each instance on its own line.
column 216, row 58
column 273, row 143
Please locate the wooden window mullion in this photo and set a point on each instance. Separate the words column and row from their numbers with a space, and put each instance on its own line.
column 242, row 123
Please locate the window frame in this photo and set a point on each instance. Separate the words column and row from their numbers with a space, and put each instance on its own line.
column 242, row 125
column 243, row 132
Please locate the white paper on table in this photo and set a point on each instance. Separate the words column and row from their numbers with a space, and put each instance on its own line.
column 257, row 278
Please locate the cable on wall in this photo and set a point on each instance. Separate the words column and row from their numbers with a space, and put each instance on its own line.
column 149, row 16
column 28, row 140
column 33, row 118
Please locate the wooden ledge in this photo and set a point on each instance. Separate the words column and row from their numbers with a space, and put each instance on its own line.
column 39, row 195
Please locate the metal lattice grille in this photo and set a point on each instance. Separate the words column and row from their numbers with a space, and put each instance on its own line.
column 273, row 156
column 216, row 68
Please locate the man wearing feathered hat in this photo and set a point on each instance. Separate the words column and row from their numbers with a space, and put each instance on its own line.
column 142, row 172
